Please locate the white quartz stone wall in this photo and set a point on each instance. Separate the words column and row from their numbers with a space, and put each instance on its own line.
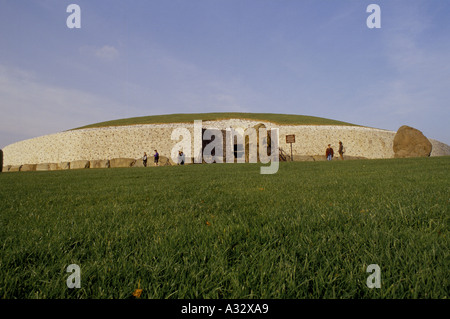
column 132, row 141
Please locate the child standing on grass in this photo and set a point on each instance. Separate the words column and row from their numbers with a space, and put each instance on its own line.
column 329, row 153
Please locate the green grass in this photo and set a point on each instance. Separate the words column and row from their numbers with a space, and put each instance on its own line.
column 286, row 119
column 225, row 231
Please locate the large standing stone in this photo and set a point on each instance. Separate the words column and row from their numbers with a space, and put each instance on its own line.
column 410, row 142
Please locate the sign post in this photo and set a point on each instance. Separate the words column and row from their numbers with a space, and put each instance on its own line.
column 290, row 139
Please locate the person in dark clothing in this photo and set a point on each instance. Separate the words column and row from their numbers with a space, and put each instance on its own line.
column 329, row 153
column 181, row 158
column 341, row 150
column 156, row 158
column 144, row 159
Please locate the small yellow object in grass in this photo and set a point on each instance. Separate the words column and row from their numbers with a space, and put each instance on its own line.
column 207, row 223
column 137, row 293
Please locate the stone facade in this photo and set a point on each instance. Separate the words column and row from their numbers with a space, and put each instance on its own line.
column 130, row 142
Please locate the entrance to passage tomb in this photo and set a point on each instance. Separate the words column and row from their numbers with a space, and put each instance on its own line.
column 242, row 148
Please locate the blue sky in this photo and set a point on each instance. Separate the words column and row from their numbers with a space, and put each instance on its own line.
column 143, row 57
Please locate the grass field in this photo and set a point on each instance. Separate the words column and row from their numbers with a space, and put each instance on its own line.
column 284, row 119
column 225, row 231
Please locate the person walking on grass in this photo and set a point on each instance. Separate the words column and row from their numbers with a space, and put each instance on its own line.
column 182, row 158
column 156, row 158
column 341, row 150
column 329, row 153
column 144, row 159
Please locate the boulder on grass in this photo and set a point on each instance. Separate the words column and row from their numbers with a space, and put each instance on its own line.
column 80, row 164
column 410, row 142
column 121, row 162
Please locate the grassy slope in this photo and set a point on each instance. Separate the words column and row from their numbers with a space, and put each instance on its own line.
column 285, row 119
column 225, row 231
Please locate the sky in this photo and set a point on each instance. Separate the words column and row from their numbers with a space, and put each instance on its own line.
column 148, row 57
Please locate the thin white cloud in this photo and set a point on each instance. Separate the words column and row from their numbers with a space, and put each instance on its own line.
column 106, row 53
column 415, row 89
column 31, row 108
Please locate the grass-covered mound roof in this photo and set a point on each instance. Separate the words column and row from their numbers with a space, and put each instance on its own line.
column 282, row 119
